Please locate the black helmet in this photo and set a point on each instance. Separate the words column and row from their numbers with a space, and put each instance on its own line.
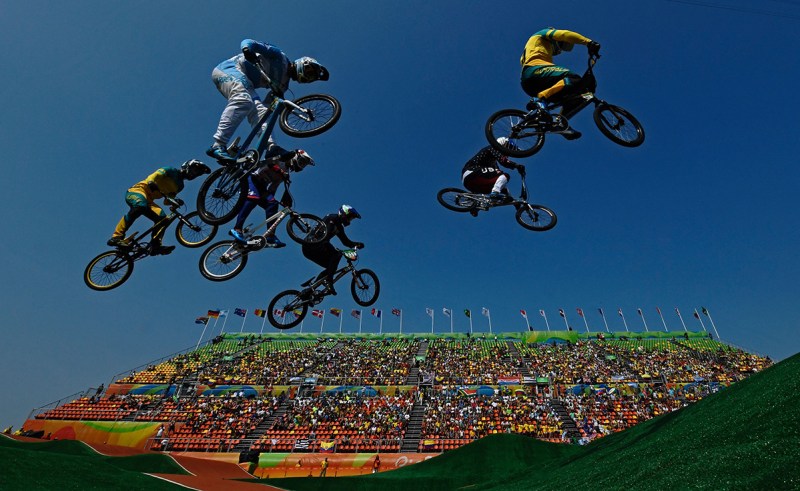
column 194, row 168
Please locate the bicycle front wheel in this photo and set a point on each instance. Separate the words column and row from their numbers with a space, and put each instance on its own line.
column 536, row 217
column 108, row 271
column 320, row 113
column 521, row 140
column 454, row 199
column 287, row 309
column 306, row 229
column 193, row 232
column 618, row 125
column 365, row 287
column 222, row 261
column 221, row 195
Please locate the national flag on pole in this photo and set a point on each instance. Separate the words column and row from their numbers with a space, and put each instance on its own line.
column 541, row 312
column 240, row 312
column 658, row 310
column 561, row 313
column 640, row 312
column 485, row 311
column 201, row 320
column 524, row 314
column 601, row 312
column 327, row 447
column 318, row 313
column 356, row 314
column 446, row 311
column 214, row 314
column 223, row 313
column 580, row 311
column 705, row 312
column 259, row 312
column 297, row 312
column 397, row 312
column 429, row 311
column 376, row 313
column 696, row 316
column 468, row 313
column 335, row 312
column 677, row 311
column 619, row 312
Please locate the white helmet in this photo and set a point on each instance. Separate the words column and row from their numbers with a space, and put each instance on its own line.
column 309, row 70
column 300, row 160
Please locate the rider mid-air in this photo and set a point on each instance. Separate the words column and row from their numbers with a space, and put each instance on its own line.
column 237, row 78
column 165, row 182
column 482, row 174
column 323, row 253
column 542, row 79
column 264, row 182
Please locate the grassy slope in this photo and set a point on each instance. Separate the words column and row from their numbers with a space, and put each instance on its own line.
column 65, row 465
column 745, row 437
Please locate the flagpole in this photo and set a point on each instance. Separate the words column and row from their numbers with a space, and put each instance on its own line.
column 585, row 323
column 451, row 321
column 527, row 322
column 360, row 319
column 224, row 322
column 244, row 318
column 545, row 320
column 323, row 321
column 489, row 316
column 301, row 325
column 380, row 327
column 662, row 319
column 603, row 315
column 262, row 324
column 401, row 321
column 681, row 318
column 432, row 314
column 205, row 325
column 623, row 320
column 696, row 314
column 470, row 322
column 216, row 320
column 341, row 318
column 641, row 314
column 708, row 314
column 564, row 315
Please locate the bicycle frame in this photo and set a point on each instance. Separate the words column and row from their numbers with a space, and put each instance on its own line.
column 138, row 249
column 338, row 275
column 586, row 95
column 484, row 203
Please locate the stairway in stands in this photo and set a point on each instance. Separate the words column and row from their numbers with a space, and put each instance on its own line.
column 413, row 372
column 414, row 428
column 567, row 423
column 262, row 427
column 523, row 363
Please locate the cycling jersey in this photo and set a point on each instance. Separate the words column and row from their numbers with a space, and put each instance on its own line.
column 166, row 181
column 274, row 63
column 539, row 48
column 487, row 158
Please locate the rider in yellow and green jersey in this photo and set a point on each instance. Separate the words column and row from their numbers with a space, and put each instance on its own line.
column 164, row 182
column 545, row 81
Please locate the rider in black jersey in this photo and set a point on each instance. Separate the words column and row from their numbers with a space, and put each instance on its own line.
column 323, row 253
column 482, row 174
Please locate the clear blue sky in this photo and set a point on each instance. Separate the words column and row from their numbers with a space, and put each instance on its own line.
column 99, row 94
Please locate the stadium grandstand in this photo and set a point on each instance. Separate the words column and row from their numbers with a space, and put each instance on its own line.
column 279, row 400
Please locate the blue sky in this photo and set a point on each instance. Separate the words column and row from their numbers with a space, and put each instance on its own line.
column 99, row 94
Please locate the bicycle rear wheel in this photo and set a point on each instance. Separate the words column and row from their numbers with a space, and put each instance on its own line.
column 108, row 271
column 306, row 228
column 193, row 232
column 536, row 217
column 365, row 287
column 618, row 125
column 222, row 261
column 522, row 140
column 221, row 195
column 287, row 309
column 454, row 199
column 322, row 112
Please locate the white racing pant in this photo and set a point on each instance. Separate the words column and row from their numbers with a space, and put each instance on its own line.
column 243, row 101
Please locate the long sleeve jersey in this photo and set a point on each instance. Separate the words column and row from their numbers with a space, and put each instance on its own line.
column 539, row 48
column 275, row 64
column 166, row 181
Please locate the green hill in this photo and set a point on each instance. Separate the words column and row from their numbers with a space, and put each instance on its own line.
column 744, row 437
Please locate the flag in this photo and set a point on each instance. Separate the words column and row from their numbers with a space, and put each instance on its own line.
column 240, row 312
column 677, row 311
column 658, row 310
column 580, row 311
column 524, row 314
column 326, row 447
column 356, row 314
column 696, row 316
column 561, row 313
column 619, row 312
column 214, row 314
column 485, row 311
column 601, row 312
column 279, row 313
column 223, row 313
column 201, row 320
column 446, row 312
column 397, row 312
column 297, row 312
column 429, row 311
column 468, row 313
column 318, row 313
column 640, row 312
column 376, row 313
column 259, row 313
column 541, row 312
column 705, row 312
column 335, row 312
column 301, row 444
